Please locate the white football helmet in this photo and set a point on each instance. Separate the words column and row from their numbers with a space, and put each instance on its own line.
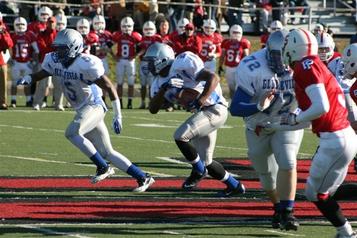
column 159, row 56
column 20, row 25
column 209, row 26
column 326, row 46
column 83, row 26
column 44, row 13
column 236, row 32
column 276, row 26
column 149, row 28
column 349, row 58
column 274, row 52
column 299, row 43
column 181, row 25
column 127, row 25
column 68, row 44
column 61, row 22
column 318, row 29
column 98, row 23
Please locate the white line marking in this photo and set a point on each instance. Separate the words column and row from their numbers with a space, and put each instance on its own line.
column 168, row 159
column 284, row 233
column 300, row 155
column 52, row 232
column 153, row 125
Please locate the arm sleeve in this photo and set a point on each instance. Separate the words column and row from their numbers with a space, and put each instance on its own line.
column 319, row 103
column 241, row 106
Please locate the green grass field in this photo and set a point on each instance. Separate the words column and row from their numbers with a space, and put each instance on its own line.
column 33, row 144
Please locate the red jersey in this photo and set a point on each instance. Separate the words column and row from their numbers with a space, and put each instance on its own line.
column 146, row 41
column 126, row 44
column 234, row 51
column 210, row 44
column 353, row 91
column 44, row 41
column 311, row 70
column 104, row 42
column 5, row 43
column 22, row 50
column 183, row 43
column 36, row 27
column 264, row 39
column 90, row 39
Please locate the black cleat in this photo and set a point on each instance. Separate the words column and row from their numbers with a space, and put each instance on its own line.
column 355, row 164
column 144, row 184
column 192, row 180
column 275, row 221
column 240, row 189
column 288, row 221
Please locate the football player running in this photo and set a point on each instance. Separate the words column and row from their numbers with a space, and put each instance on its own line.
column 82, row 77
column 265, row 90
column 322, row 102
column 196, row 137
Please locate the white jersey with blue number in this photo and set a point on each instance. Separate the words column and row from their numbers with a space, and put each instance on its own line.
column 256, row 78
column 187, row 66
column 78, row 79
column 336, row 66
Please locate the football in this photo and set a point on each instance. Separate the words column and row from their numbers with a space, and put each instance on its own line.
column 186, row 96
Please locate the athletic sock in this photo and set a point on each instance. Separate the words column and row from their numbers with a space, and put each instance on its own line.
column 198, row 165
column 136, row 172
column 231, row 182
column 287, row 204
column 98, row 160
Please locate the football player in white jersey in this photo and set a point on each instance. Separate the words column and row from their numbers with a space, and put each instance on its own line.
column 82, row 77
column 265, row 90
column 196, row 137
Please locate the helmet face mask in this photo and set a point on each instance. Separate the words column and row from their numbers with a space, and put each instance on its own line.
column 349, row 58
column 159, row 56
column 83, row 26
column 209, row 26
column 127, row 25
column 181, row 25
column 236, row 32
column 44, row 13
column 274, row 52
column 149, row 28
column 68, row 44
column 326, row 46
column 61, row 22
column 20, row 25
column 99, row 23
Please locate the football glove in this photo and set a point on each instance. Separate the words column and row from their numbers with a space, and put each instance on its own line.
column 265, row 100
column 288, row 119
column 173, row 83
column 117, row 122
column 26, row 80
column 117, row 125
column 194, row 106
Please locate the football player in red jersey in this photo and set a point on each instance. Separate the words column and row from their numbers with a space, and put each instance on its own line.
column 127, row 41
column 44, row 41
column 211, row 44
column 104, row 44
column 322, row 102
column 233, row 50
column 150, row 37
column 5, row 44
column 38, row 26
column 24, row 51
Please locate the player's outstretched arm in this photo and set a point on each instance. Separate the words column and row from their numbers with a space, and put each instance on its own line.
column 33, row 78
column 105, row 83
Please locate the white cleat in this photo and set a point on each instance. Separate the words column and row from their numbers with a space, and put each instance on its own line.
column 36, row 107
column 144, row 184
column 102, row 174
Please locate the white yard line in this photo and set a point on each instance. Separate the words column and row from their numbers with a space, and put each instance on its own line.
column 52, row 232
column 284, row 233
